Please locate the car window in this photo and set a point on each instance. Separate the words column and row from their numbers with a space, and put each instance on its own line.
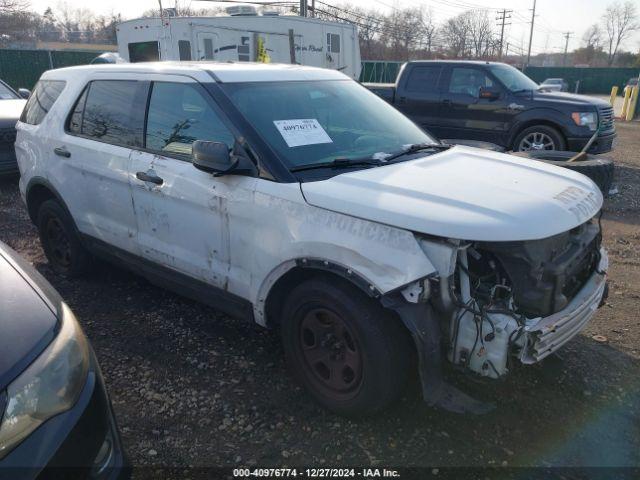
column 424, row 79
column 74, row 125
column 41, row 100
column 318, row 121
column 114, row 112
column 468, row 81
column 179, row 115
column 6, row 93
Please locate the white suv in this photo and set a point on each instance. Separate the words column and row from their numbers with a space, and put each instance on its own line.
column 294, row 197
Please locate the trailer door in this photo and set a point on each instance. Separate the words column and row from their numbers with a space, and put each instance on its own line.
column 334, row 43
column 207, row 45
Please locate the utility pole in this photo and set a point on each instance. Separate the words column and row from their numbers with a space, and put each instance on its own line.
column 533, row 18
column 502, row 18
column 303, row 8
column 566, row 47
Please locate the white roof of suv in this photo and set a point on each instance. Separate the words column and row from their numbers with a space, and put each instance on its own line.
column 222, row 72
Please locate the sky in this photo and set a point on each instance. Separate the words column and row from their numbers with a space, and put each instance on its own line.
column 553, row 17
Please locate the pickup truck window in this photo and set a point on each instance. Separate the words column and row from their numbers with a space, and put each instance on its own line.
column 468, row 81
column 178, row 116
column 512, row 78
column 424, row 79
column 357, row 122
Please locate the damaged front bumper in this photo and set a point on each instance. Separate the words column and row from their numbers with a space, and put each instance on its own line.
column 543, row 336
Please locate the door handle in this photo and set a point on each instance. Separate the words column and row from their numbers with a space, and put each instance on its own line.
column 62, row 152
column 145, row 177
column 446, row 101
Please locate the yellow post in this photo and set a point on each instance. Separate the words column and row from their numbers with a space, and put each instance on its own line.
column 632, row 103
column 625, row 103
column 614, row 94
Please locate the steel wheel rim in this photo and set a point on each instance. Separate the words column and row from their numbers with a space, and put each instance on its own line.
column 536, row 141
column 331, row 352
column 59, row 246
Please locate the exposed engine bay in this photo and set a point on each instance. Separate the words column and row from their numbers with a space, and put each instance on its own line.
column 519, row 299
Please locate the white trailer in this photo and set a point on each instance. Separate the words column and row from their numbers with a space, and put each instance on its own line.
column 246, row 37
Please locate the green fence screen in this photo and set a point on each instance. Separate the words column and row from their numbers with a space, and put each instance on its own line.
column 592, row 80
column 22, row 68
column 379, row 72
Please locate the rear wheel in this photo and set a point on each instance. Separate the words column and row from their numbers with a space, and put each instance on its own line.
column 538, row 137
column 349, row 352
column 60, row 241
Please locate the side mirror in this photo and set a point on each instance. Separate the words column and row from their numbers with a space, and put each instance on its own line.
column 24, row 93
column 489, row 93
column 214, row 157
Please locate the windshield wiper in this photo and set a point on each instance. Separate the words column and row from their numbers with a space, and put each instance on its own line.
column 338, row 163
column 416, row 147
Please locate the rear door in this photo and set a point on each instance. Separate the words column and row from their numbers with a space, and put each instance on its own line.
column 184, row 214
column 105, row 124
column 418, row 96
column 463, row 114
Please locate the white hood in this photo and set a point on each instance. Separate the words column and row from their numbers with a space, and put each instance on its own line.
column 464, row 193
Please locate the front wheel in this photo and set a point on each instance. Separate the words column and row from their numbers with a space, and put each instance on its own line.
column 349, row 352
column 538, row 137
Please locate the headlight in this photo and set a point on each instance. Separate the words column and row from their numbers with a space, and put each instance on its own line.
column 49, row 386
column 585, row 119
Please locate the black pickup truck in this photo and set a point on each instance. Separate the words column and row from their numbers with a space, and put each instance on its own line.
column 495, row 102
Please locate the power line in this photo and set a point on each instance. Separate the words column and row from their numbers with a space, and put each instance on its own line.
column 533, row 18
column 503, row 16
column 566, row 47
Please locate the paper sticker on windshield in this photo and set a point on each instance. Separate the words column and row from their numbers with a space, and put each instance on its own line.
column 301, row 132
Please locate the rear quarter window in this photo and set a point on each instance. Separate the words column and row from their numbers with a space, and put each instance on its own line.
column 41, row 100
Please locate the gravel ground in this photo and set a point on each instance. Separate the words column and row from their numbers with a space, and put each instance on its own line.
column 192, row 387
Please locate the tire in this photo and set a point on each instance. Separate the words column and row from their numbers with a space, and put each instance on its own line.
column 60, row 242
column 549, row 139
column 599, row 169
column 328, row 327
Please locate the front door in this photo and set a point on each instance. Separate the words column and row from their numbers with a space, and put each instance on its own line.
column 184, row 214
column 463, row 114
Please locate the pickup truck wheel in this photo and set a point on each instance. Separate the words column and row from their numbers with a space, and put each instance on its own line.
column 59, row 240
column 345, row 348
column 538, row 137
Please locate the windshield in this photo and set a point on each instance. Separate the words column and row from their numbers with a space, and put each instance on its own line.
column 6, row 93
column 319, row 121
column 512, row 78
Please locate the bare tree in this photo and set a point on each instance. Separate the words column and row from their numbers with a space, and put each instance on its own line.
column 455, row 34
column 480, row 32
column 619, row 21
column 592, row 36
column 13, row 6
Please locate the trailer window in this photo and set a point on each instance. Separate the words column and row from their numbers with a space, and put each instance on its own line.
column 184, row 48
column 333, row 43
column 243, row 50
column 208, row 48
column 144, row 52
